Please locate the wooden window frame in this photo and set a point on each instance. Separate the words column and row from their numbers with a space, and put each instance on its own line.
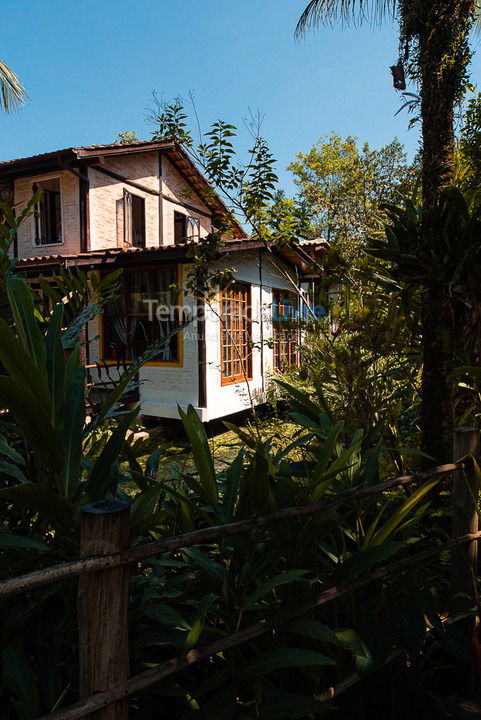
column 180, row 217
column 129, row 240
column 243, row 291
column 277, row 329
column 179, row 362
column 35, row 215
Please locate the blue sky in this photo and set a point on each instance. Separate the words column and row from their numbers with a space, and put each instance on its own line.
column 90, row 68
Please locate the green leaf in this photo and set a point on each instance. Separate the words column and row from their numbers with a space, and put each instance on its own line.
column 142, row 509
column 397, row 517
column 268, row 586
column 198, row 624
column 41, row 499
column 165, row 615
column 33, row 422
column 201, row 453
column 55, row 361
column 10, row 452
column 21, row 367
column 72, row 433
column 9, row 539
column 362, row 560
column 278, row 705
column 104, row 474
column 21, row 301
column 12, row 470
column 213, row 569
column 310, row 628
column 18, row 677
column 286, row 657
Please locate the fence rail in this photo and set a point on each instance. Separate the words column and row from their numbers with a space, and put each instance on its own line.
column 91, row 564
column 103, row 570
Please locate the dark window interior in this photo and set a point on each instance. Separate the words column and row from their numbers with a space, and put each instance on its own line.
column 48, row 215
column 134, row 219
column 180, row 227
column 133, row 323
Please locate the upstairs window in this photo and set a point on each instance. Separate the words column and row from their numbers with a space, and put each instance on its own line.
column 134, row 220
column 285, row 329
column 236, row 342
column 147, row 311
column 193, row 228
column 185, row 227
column 180, row 227
column 48, row 213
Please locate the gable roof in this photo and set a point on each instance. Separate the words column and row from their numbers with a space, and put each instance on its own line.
column 175, row 153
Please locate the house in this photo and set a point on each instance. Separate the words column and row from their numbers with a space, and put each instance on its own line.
column 139, row 207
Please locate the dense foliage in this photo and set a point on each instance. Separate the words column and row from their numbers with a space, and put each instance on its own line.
column 54, row 460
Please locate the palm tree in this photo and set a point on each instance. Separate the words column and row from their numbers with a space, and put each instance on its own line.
column 434, row 36
column 12, row 92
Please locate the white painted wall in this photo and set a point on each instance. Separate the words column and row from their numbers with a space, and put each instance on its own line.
column 226, row 399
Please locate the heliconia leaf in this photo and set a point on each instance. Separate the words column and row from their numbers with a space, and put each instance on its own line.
column 278, row 705
column 164, row 614
column 20, row 366
column 201, row 453
column 21, row 301
column 101, row 474
column 362, row 560
column 142, row 509
column 11, row 540
column 10, row 452
column 286, row 657
column 267, row 587
column 19, row 678
column 397, row 517
column 198, row 625
column 72, row 433
column 302, row 400
column 41, row 499
column 55, row 361
column 33, row 422
column 7, row 468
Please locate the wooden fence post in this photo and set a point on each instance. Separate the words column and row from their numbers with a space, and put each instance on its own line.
column 102, row 606
column 465, row 497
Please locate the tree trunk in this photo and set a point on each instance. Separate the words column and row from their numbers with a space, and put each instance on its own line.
column 442, row 27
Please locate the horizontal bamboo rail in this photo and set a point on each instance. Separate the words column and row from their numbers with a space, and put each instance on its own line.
column 149, row 677
column 75, row 568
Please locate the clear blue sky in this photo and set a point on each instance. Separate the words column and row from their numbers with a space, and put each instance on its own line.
column 90, row 68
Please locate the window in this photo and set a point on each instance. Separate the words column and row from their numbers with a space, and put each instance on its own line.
column 193, row 228
column 285, row 329
column 48, row 214
column 180, row 227
column 185, row 227
column 146, row 312
column 134, row 220
column 236, row 351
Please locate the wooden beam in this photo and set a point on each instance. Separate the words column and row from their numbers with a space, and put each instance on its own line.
column 149, row 191
column 125, row 180
column 73, row 170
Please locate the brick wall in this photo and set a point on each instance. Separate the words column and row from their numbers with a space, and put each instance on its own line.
column 106, row 197
column 69, row 188
column 177, row 191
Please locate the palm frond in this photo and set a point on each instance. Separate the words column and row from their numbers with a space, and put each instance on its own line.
column 327, row 12
column 12, row 91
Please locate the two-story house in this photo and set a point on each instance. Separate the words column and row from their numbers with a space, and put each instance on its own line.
column 138, row 207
